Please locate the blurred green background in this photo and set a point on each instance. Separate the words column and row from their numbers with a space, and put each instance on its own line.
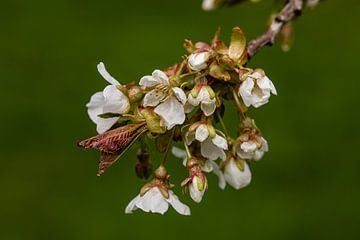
column 306, row 187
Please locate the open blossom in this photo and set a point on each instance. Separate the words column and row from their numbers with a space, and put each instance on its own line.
column 235, row 176
column 110, row 100
column 203, row 95
column 198, row 61
column 252, row 149
column 212, row 144
column 206, row 166
column 168, row 101
column 256, row 89
column 154, row 201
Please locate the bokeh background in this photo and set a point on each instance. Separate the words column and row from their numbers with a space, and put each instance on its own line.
column 306, row 187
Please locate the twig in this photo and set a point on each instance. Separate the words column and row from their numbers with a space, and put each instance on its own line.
column 291, row 9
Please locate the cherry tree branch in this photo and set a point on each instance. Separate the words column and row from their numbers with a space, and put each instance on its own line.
column 291, row 10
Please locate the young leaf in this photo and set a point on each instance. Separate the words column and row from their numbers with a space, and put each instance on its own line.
column 237, row 44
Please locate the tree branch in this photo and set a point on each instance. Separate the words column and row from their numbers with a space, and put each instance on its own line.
column 291, row 10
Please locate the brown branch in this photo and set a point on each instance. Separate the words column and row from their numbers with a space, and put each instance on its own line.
column 291, row 10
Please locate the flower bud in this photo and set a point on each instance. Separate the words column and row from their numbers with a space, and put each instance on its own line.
column 135, row 94
column 196, row 183
column 198, row 61
column 152, row 121
column 143, row 165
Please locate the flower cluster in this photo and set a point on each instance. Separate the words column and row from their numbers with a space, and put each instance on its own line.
column 184, row 103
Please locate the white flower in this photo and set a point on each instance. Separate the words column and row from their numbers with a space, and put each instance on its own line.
column 198, row 61
column 211, row 148
column 197, row 189
column 234, row 176
column 169, row 101
column 256, row 89
column 154, row 201
column 208, row 166
column 251, row 150
column 208, row 5
column 110, row 100
column 207, row 103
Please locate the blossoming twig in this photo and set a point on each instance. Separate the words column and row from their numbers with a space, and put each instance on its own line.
column 291, row 9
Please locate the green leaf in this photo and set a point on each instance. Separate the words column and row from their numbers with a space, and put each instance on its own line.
column 108, row 115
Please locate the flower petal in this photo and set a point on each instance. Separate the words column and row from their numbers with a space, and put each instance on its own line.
column 249, row 146
column 220, row 142
column 194, row 191
column 201, row 133
column 210, row 151
column 218, row 172
column 172, row 111
column 95, row 105
column 208, row 107
column 131, row 207
column 148, row 81
column 245, row 91
column 116, row 101
column 104, row 73
column 153, row 98
column 178, row 152
column 236, row 178
column 153, row 201
column 160, row 77
column 177, row 205
column 180, row 95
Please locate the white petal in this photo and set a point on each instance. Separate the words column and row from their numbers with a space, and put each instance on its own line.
column 172, row 111
column 195, row 193
column 105, row 124
column 148, row 81
column 104, row 73
column 177, row 205
column 99, row 104
column 153, row 201
column 153, row 98
column 218, row 172
column 197, row 61
column 245, row 91
column 188, row 107
column 180, row 95
column 160, row 77
column 220, row 142
column 236, row 178
column 260, row 152
column 178, row 152
column 210, row 151
column 203, row 95
column 95, row 106
column 208, row 107
column 249, row 146
column 131, row 207
column 193, row 101
column 244, row 155
column 115, row 100
column 201, row 133
column 207, row 166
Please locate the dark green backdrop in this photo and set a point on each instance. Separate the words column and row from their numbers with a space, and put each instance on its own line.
column 306, row 187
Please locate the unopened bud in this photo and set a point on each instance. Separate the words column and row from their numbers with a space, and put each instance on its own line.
column 135, row 94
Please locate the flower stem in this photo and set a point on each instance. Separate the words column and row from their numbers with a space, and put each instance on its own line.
column 222, row 123
column 166, row 153
column 238, row 104
column 188, row 153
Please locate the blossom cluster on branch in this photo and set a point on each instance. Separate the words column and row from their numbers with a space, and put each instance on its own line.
column 184, row 103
